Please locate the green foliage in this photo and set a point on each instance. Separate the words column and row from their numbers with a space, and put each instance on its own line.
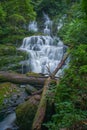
column 79, row 55
column 52, row 7
column 10, row 58
column 84, row 6
column 2, row 14
column 17, row 19
column 71, row 93
column 22, row 7
column 15, row 14
column 7, row 50
column 76, row 11
column 74, row 31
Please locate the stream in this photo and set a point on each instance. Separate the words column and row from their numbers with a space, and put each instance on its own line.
column 8, row 122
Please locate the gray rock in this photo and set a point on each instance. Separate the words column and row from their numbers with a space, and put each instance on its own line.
column 30, row 89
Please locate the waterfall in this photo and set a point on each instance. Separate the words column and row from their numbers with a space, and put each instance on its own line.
column 47, row 22
column 47, row 30
column 61, row 22
column 44, row 51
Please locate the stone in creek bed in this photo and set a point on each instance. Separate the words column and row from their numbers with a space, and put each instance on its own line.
column 37, row 97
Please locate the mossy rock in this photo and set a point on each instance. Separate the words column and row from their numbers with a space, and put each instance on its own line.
column 26, row 112
column 6, row 91
column 30, row 89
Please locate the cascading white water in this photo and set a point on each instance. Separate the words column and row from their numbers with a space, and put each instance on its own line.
column 48, row 25
column 33, row 26
column 61, row 22
column 44, row 51
column 47, row 31
column 47, row 22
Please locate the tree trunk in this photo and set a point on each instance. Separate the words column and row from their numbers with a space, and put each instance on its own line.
column 22, row 79
column 41, row 108
column 59, row 65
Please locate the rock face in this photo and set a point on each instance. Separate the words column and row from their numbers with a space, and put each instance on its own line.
column 25, row 112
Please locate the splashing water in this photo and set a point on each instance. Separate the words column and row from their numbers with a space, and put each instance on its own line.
column 44, row 51
column 47, row 22
column 33, row 26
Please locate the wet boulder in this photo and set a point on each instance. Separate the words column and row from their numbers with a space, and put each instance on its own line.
column 30, row 89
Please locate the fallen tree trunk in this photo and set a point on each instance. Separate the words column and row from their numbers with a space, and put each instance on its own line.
column 40, row 114
column 37, row 92
column 41, row 108
column 22, row 79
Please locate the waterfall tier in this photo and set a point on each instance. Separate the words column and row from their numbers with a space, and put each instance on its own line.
column 43, row 52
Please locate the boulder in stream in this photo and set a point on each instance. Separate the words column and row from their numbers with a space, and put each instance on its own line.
column 25, row 112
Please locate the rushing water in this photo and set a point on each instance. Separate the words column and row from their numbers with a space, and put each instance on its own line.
column 44, row 51
column 33, row 26
column 8, row 122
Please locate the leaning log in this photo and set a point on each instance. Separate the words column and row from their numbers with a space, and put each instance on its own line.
column 40, row 114
column 60, row 65
column 22, row 79
column 41, row 109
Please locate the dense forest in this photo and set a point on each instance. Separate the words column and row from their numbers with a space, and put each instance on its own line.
column 64, row 105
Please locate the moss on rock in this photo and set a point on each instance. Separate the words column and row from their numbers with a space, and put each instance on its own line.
column 30, row 89
column 6, row 90
column 26, row 112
